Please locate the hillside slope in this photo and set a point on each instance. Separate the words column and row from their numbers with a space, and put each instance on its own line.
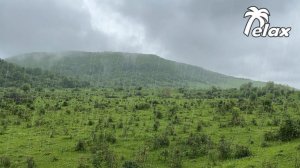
column 126, row 69
column 12, row 75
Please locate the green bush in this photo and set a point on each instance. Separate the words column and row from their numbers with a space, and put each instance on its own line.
column 224, row 149
column 142, row 106
column 160, row 141
column 198, row 145
column 31, row 163
column 5, row 162
column 130, row 164
column 270, row 136
column 288, row 130
column 80, row 146
column 242, row 151
column 176, row 159
column 111, row 138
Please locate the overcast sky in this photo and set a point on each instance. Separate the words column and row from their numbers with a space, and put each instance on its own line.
column 204, row 33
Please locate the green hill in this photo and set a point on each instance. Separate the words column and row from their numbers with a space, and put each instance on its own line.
column 12, row 75
column 116, row 69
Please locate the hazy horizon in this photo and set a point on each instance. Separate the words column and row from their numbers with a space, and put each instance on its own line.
column 207, row 34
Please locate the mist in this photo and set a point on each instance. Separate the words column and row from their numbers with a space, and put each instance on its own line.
column 208, row 34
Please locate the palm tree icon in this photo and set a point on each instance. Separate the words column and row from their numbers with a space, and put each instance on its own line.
column 262, row 15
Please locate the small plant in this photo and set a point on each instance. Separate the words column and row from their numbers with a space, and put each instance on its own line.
column 264, row 144
column 82, row 163
column 213, row 157
column 90, row 123
column 199, row 126
column 80, row 146
column 156, row 125
column 111, row 138
column 142, row 106
column 5, row 162
column 176, row 159
column 224, row 149
column 30, row 163
column 270, row 136
column 164, row 154
column 158, row 115
column 269, row 164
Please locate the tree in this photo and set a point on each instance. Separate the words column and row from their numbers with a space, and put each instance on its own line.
column 246, row 89
column 288, row 130
column 26, row 87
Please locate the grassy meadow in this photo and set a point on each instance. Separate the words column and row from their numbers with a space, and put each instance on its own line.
column 144, row 127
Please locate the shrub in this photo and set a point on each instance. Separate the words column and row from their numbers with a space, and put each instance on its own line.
column 254, row 122
column 111, row 138
column 156, row 125
column 199, row 126
column 170, row 130
column 297, row 163
column 213, row 157
column 102, row 155
column 175, row 159
column 80, row 146
column 242, row 151
column 26, row 87
column 31, row 163
column 224, row 149
column 264, row 144
column 164, row 154
column 269, row 164
column 65, row 103
column 198, row 145
column 82, row 165
column 288, row 130
column 158, row 114
column 90, row 123
column 237, row 119
column 130, row 164
column 160, row 141
column 142, row 106
column 270, row 136
column 5, row 162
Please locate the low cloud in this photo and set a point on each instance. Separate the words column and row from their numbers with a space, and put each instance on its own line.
column 204, row 33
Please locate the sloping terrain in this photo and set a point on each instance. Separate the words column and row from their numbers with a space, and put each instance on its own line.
column 114, row 69
column 12, row 75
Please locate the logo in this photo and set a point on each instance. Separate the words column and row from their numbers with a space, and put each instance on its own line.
column 264, row 29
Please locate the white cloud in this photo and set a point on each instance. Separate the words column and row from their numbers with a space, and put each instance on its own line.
column 127, row 34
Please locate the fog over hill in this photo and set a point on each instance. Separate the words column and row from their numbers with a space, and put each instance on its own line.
column 126, row 69
column 208, row 34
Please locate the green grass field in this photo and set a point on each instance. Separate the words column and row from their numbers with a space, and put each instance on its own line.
column 147, row 128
